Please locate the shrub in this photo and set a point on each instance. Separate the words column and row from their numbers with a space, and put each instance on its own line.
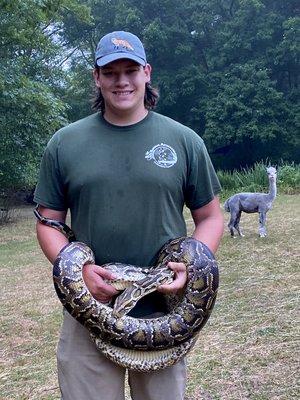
column 289, row 178
column 255, row 179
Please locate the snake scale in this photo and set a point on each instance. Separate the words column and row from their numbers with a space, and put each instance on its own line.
column 142, row 344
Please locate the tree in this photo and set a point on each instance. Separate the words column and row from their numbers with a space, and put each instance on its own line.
column 227, row 68
column 249, row 113
column 31, row 50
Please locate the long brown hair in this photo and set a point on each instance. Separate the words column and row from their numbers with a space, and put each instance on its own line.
column 150, row 99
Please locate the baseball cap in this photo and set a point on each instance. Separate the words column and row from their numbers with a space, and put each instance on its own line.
column 117, row 45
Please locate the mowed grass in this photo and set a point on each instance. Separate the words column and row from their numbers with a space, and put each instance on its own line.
column 249, row 349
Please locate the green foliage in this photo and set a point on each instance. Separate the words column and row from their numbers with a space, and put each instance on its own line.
column 254, row 179
column 29, row 114
column 289, row 178
column 245, row 180
column 228, row 69
column 247, row 106
column 78, row 90
column 31, row 79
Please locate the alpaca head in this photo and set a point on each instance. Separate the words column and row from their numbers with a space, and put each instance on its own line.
column 272, row 173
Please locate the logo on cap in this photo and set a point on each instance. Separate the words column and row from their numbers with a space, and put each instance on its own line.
column 122, row 43
column 117, row 45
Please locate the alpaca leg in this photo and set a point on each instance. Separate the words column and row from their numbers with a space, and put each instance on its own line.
column 262, row 224
column 231, row 224
column 237, row 224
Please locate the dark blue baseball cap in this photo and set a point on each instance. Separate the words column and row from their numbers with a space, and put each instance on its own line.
column 117, row 45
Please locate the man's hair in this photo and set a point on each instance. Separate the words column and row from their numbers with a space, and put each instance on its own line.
column 150, row 99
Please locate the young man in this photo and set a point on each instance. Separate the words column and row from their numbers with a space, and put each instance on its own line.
column 125, row 174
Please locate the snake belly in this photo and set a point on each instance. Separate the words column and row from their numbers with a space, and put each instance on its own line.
column 136, row 343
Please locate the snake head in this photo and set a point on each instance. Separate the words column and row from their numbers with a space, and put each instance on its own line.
column 132, row 294
column 126, row 301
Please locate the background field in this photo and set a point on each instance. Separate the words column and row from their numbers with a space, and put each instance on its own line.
column 248, row 350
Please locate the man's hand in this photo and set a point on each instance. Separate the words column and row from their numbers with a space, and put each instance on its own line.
column 179, row 281
column 94, row 276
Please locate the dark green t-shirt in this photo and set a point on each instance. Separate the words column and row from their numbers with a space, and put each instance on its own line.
column 126, row 186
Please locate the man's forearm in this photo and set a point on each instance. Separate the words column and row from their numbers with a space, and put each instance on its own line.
column 209, row 224
column 210, row 231
column 50, row 240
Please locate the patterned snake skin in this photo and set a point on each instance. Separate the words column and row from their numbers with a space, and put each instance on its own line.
column 137, row 343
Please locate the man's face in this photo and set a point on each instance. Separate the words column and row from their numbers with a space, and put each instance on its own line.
column 122, row 84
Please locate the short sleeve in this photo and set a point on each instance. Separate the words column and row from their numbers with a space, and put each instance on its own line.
column 202, row 183
column 50, row 190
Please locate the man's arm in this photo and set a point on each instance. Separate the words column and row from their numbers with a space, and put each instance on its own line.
column 209, row 224
column 52, row 241
column 208, row 229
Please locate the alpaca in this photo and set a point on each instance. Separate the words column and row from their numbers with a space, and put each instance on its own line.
column 251, row 203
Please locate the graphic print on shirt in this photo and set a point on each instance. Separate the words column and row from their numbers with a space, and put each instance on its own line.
column 162, row 155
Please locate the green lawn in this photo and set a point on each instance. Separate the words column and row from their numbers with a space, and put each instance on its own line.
column 248, row 349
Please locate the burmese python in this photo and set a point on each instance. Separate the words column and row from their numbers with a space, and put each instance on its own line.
column 136, row 343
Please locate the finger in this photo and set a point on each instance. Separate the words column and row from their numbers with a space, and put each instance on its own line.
column 107, row 289
column 93, row 277
column 103, row 292
column 177, row 267
column 179, row 281
column 104, row 273
column 177, row 284
column 103, row 299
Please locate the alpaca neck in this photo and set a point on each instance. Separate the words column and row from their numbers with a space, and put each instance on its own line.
column 272, row 189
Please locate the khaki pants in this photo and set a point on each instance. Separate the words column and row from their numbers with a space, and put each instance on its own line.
column 85, row 374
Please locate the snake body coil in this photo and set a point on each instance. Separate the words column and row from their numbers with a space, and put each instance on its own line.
column 137, row 343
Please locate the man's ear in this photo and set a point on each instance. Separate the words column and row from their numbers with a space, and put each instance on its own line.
column 147, row 70
column 96, row 76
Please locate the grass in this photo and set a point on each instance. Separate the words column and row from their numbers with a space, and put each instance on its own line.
column 248, row 349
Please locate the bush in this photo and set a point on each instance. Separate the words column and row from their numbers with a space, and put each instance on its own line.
column 289, row 178
column 255, row 179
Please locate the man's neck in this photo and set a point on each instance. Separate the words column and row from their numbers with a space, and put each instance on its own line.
column 124, row 118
